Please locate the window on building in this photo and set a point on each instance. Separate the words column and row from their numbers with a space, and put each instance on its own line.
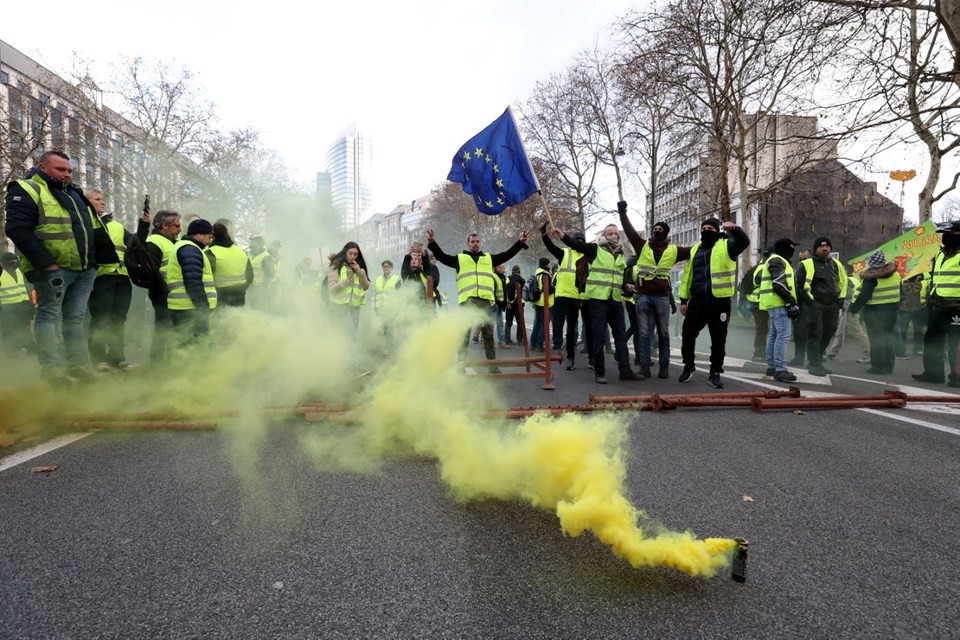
column 4, row 77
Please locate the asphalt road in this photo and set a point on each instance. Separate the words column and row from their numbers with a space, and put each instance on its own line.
column 852, row 526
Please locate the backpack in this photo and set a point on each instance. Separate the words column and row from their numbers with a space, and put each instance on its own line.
column 140, row 266
column 531, row 289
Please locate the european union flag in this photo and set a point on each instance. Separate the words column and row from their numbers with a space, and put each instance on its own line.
column 493, row 167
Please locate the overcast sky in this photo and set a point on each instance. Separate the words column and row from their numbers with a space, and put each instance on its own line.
column 419, row 77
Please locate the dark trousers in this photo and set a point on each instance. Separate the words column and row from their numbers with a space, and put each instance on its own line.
column 881, row 321
column 918, row 318
column 509, row 317
column 15, row 327
column 710, row 312
column 162, row 328
column 192, row 324
column 633, row 329
column 565, row 311
column 486, row 329
column 586, row 321
column 761, row 323
column 536, row 336
column 108, row 305
column 800, row 337
column 822, row 321
column 609, row 313
column 942, row 326
column 231, row 298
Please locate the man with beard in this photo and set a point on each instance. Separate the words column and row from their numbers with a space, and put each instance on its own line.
column 821, row 289
column 706, row 290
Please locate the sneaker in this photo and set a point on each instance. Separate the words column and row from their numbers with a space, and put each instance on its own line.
column 686, row 374
column 863, row 360
column 570, row 367
column 784, row 376
column 714, row 380
column 829, row 356
column 645, row 371
column 925, row 377
column 630, row 375
column 664, row 371
column 599, row 379
column 126, row 366
column 817, row 371
column 770, row 372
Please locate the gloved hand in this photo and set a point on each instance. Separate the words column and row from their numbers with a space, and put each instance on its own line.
column 622, row 206
column 543, row 228
column 793, row 312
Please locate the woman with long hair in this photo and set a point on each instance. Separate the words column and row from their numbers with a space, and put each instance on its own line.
column 347, row 283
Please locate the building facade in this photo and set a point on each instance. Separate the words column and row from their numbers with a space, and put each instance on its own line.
column 350, row 167
column 388, row 236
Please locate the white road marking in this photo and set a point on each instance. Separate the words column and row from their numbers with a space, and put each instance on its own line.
column 40, row 450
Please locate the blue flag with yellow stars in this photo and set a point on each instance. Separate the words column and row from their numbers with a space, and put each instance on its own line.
column 493, row 167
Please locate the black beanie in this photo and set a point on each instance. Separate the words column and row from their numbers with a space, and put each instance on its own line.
column 543, row 263
column 713, row 222
column 199, row 226
column 822, row 240
column 666, row 227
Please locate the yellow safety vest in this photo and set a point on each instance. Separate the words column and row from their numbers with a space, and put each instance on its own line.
column 946, row 276
column 808, row 278
column 231, row 266
column 12, row 288
column 629, row 276
column 567, row 275
column 887, row 290
column 166, row 249
column 55, row 227
column 475, row 278
column 178, row 299
column 116, row 232
column 754, row 296
column 606, row 276
column 723, row 272
column 543, row 296
column 768, row 298
column 352, row 295
column 385, row 287
column 259, row 277
column 648, row 268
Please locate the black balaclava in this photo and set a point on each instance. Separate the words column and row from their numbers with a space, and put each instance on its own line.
column 660, row 235
column 709, row 238
column 784, row 248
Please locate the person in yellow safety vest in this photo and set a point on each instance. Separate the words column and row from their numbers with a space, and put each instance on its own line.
column 193, row 294
column 16, row 309
column 264, row 273
column 476, row 286
column 821, row 288
column 536, row 336
column 385, row 288
column 653, row 302
column 943, row 304
column 347, row 283
column 913, row 311
column 706, row 290
column 60, row 240
column 416, row 269
column 231, row 266
column 879, row 298
column 750, row 300
column 777, row 297
column 569, row 302
column 110, row 299
column 159, row 244
column 500, row 307
column 603, row 291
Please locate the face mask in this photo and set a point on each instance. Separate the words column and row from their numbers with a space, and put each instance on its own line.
column 659, row 235
column 709, row 237
column 951, row 240
column 787, row 253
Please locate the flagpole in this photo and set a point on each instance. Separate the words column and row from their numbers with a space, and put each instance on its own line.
column 533, row 173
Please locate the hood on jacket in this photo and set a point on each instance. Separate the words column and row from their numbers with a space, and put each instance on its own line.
column 878, row 272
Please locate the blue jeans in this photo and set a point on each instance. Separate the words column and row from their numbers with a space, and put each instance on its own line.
column 62, row 297
column 653, row 309
column 498, row 323
column 777, row 338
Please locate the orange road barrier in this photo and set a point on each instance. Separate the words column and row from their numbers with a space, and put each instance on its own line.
column 759, row 405
column 792, row 392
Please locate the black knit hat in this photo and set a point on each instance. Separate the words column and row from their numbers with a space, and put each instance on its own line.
column 713, row 222
column 822, row 241
column 543, row 263
column 199, row 226
column 666, row 227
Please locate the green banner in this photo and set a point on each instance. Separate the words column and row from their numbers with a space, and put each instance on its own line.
column 913, row 252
